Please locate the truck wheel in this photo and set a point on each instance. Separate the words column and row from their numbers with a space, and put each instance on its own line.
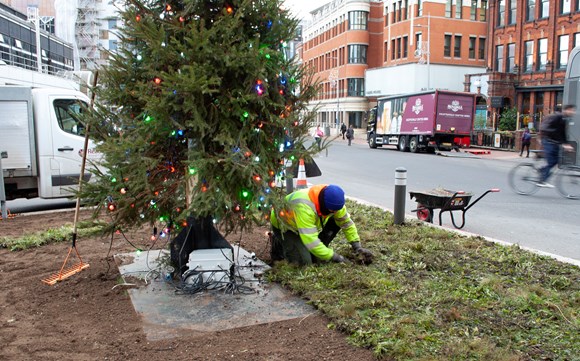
column 373, row 141
column 413, row 145
column 403, row 147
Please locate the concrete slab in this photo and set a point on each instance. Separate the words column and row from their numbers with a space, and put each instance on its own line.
column 477, row 151
column 453, row 154
column 166, row 312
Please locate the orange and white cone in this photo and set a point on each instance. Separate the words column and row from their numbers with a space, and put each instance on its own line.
column 301, row 181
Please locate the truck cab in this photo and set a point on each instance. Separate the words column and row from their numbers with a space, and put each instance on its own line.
column 42, row 133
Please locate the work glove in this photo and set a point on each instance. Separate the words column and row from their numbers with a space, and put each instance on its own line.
column 338, row 258
column 366, row 254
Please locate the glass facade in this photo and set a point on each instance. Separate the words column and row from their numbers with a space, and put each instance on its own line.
column 358, row 20
column 356, row 87
column 357, row 54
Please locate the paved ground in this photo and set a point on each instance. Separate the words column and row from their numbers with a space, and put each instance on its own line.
column 360, row 138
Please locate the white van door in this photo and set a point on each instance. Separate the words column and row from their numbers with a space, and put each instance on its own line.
column 68, row 137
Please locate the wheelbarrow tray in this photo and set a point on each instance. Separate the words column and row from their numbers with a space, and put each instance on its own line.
column 442, row 198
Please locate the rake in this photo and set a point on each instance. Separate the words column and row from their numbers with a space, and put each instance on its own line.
column 72, row 270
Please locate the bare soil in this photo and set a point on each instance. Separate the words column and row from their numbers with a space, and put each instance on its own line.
column 84, row 318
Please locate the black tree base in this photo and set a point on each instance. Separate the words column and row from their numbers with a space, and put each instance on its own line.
column 200, row 233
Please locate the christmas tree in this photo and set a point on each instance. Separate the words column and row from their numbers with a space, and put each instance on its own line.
column 197, row 112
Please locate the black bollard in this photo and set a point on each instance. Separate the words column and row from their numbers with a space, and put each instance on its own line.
column 400, row 191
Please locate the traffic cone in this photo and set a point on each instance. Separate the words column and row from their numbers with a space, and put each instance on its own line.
column 301, row 181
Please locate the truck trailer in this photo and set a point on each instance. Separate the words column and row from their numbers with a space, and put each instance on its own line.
column 431, row 121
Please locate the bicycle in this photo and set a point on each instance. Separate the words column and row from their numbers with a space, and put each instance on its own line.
column 524, row 177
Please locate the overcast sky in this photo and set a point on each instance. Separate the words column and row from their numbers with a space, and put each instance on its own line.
column 303, row 7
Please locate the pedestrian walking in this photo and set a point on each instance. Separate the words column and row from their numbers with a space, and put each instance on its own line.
column 350, row 134
column 526, row 140
column 318, row 136
column 343, row 130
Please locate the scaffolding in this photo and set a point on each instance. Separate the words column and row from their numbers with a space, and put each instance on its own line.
column 87, row 29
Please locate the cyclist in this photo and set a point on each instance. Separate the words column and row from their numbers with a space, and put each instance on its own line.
column 553, row 134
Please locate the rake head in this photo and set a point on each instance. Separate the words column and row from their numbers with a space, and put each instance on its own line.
column 65, row 273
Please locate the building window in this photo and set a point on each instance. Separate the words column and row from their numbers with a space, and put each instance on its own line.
column 513, row 12
column 472, row 47
column 400, row 11
column 501, row 13
column 356, row 87
column 447, row 46
column 458, row 8
column 563, row 41
column 499, row 58
column 386, row 16
column 394, row 20
column 405, row 10
column 481, row 52
column 545, row 9
column 511, row 57
column 399, row 48
column 529, row 56
column 393, row 48
column 357, row 54
column 358, row 20
column 576, row 39
column 112, row 23
column 457, row 47
column 355, row 118
column 419, row 8
column 542, row 54
column 559, row 101
column 482, row 10
column 405, row 46
column 386, row 55
column 112, row 45
column 565, row 6
column 539, row 105
column 531, row 10
column 473, row 10
column 448, row 9
column 419, row 45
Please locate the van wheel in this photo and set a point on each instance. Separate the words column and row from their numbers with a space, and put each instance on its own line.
column 403, row 147
column 413, row 145
column 373, row 141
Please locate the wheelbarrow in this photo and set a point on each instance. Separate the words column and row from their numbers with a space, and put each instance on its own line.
column 445, row 200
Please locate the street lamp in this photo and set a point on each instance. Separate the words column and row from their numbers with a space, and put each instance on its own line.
column 428, row 49
column 335, row 83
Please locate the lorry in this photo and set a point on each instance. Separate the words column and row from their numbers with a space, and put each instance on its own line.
column 572, row 96
column 431, row 121
column 42, row 140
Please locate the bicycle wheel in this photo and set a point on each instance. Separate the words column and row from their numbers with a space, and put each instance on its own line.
column 568, row 182
column 523, row 179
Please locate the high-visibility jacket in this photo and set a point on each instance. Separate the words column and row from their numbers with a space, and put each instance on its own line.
column 303, row 217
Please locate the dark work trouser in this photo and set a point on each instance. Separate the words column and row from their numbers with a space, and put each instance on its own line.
column 289, row 246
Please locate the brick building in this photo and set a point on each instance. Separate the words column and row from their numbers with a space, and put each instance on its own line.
column 527, row 55
column 362, row 50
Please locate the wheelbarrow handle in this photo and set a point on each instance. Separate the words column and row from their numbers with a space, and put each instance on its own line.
column 450, row 199
column 493, row 190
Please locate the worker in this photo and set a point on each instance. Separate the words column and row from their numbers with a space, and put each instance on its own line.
column 302, row 232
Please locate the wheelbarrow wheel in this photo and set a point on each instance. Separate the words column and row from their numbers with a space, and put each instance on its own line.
column 423, row 213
